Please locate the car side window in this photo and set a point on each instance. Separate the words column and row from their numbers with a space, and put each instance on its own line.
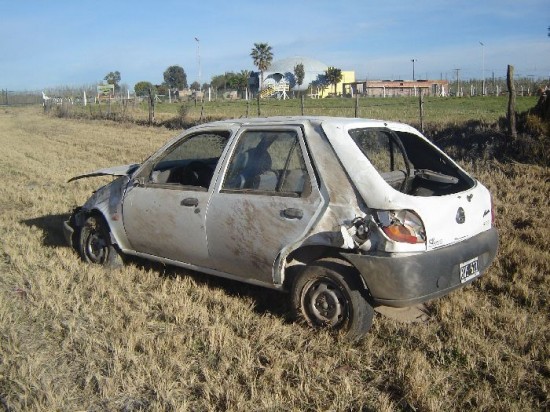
column 268, row 162
column 190, row 162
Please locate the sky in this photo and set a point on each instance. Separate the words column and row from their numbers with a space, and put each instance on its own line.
column 60, row 43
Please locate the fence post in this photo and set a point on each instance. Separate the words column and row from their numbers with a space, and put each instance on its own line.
column 356, row 104
column 421, row 104
column 302, row 103
column 511, row 102
column 151, row 104
column 247, row 107
column 259, row 112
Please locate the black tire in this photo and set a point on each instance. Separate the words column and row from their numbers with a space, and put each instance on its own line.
column 95, row 244
column 327, row 295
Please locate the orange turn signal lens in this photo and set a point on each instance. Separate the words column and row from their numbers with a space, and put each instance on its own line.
column 400, row 233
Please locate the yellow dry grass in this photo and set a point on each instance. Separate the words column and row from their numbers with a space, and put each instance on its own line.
column 78, row 337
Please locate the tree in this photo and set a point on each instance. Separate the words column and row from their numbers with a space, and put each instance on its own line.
column 195, row 86
column 238, row 81
column 299, row 73
column 242, row 79
column 175, row 77
column 161, row 89
column 218, row 81
column 333, row 76
column 142, row 88
column 113, row 78
column 262, row 56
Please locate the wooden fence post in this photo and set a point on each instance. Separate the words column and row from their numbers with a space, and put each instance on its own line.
column 421, row 107
column 356, row 104
column 151, row 104
column 302, row 103
column 511, row 115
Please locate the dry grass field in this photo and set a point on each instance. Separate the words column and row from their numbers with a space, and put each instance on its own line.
column 150, row 338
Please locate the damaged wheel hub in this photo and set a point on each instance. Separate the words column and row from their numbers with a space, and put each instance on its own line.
column 326, row 304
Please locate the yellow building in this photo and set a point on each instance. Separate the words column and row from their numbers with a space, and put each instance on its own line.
column 280, row 79
column 343, row 87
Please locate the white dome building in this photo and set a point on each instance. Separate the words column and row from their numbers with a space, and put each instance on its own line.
column 284, row 69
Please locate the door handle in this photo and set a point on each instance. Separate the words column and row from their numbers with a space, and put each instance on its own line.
column 190, row 201
column 293, row 213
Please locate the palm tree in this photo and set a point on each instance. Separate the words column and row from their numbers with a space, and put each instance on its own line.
column 299, row 74
column 333, row 76
column 262, row 56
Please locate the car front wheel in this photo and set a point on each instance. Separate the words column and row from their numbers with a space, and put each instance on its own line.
column 327, row 295
column 95, row 244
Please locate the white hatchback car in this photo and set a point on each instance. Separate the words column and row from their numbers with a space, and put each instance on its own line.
column 345, row 214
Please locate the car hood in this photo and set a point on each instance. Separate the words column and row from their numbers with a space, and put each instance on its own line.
column 124, row 170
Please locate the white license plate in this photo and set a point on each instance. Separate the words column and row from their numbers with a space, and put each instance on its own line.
column 469, row 270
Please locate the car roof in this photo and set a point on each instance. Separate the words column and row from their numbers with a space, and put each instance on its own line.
column 345, row 122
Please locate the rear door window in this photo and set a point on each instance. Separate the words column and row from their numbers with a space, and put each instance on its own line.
column 268, row 161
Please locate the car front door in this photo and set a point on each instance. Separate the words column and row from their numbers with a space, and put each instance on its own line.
column 267, row 200
column 164, row 209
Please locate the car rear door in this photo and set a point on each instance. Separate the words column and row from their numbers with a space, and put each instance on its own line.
column 267, row 200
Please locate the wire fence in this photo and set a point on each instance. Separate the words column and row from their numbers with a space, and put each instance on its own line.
column 418, row 110
column 13, row 98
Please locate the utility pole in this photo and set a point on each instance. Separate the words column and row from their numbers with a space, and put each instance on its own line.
column 199, row 61
column 413, row 60
column 457, row 83
column 482, row 68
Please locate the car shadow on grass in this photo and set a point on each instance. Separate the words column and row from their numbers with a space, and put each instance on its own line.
column 52, row 227
column 265, row 300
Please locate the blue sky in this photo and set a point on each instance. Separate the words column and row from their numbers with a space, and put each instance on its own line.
column 55, row 43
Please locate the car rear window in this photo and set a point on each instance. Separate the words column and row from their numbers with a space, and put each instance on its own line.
column 381, row 148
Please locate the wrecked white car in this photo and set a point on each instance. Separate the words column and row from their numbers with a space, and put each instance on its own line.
column 345, row 214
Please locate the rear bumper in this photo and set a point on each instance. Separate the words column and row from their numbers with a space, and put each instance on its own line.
column 400, row 280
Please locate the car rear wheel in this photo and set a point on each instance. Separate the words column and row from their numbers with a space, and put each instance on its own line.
column 327, row 295
column 95, row 244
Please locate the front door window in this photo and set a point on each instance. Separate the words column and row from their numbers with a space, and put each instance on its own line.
column 192, row 162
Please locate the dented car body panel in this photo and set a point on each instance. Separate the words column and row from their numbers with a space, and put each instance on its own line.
column 255, row 199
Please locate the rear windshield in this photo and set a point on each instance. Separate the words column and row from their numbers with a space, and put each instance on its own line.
column 410, row 164
column 381, row 148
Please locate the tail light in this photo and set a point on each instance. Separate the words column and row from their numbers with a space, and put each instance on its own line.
column 402, row 226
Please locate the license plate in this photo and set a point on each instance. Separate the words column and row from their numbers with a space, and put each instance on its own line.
column 469, row 270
